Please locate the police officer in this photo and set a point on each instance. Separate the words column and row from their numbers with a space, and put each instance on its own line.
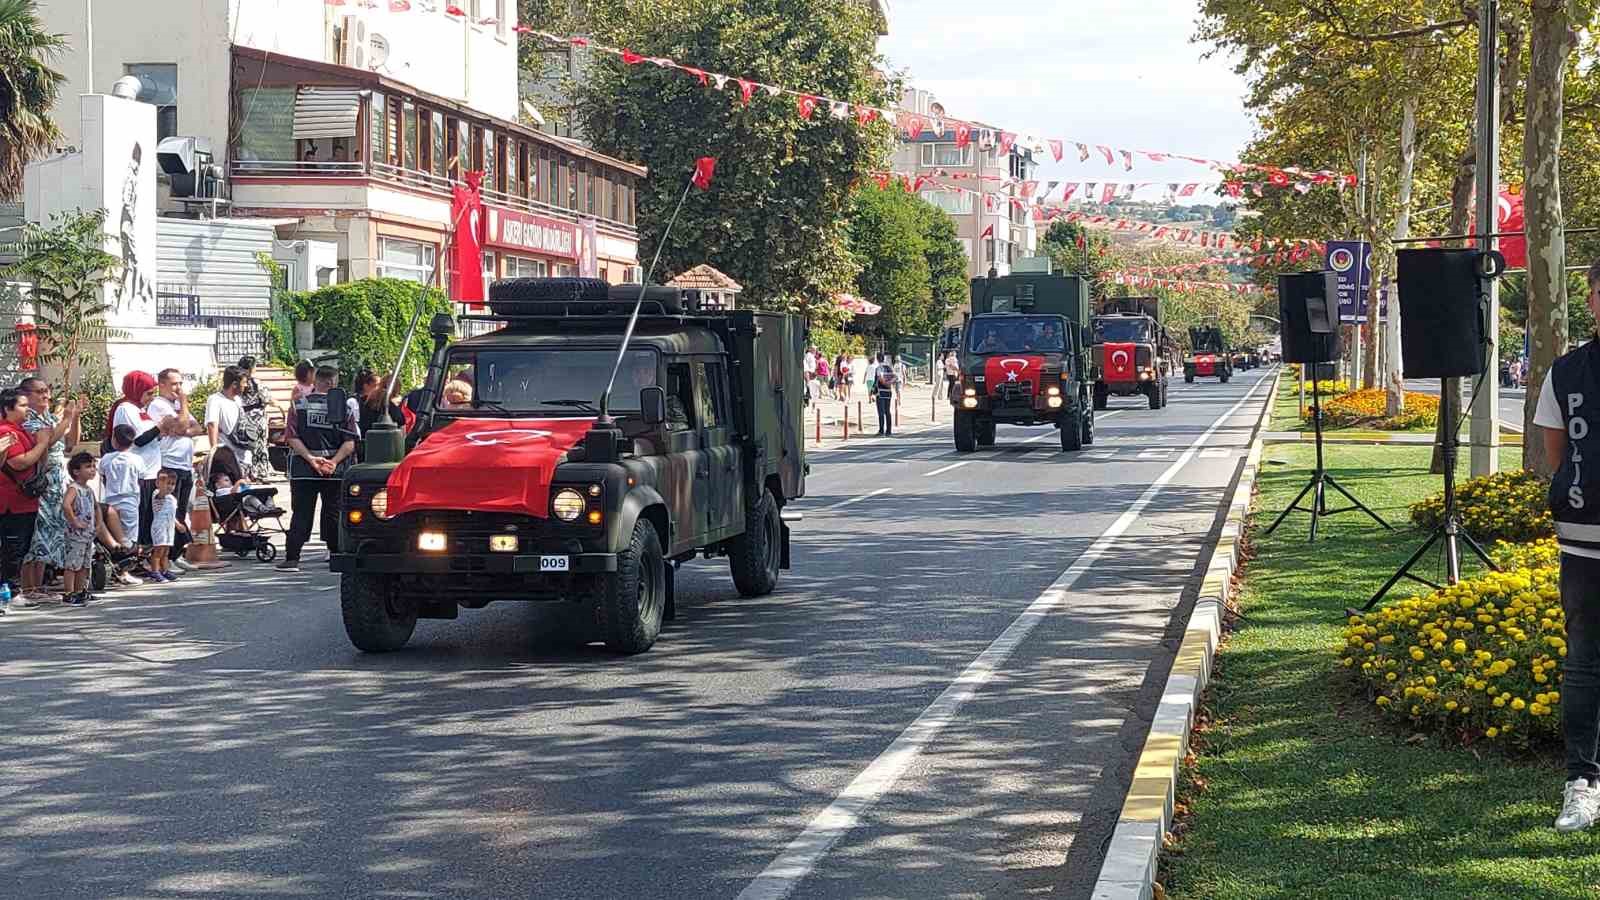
column 321, row 446
column 1568, row 416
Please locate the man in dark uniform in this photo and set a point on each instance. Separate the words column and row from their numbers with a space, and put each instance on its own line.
column 1568, row 416
column 320, row 446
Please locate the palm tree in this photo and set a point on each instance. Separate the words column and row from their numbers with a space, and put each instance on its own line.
column 28, row 89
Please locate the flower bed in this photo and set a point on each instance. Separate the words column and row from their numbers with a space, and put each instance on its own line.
column 1506, row 506
column 1368, row 408
column 1479, row 659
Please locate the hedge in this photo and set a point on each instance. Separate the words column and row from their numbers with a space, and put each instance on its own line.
column 365, row 322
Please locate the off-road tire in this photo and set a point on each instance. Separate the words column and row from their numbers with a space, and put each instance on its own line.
column 966, row 432
column 1071, row 428
column 1225, row 376
column 755, row 555
column 986, row 433
column 1102, row 397
column 373, row 618
column 630, row 604
column 549, row 289
column 1155, row 396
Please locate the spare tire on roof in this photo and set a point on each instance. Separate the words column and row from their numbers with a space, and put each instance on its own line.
column 671, row 299
column 549, row 289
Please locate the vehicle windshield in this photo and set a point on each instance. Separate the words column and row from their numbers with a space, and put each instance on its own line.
column 548, row 382
column 1206, row 341
column 1122, row 331
column 1017, row 334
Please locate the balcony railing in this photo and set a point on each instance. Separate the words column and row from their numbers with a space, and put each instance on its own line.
column 391, row 174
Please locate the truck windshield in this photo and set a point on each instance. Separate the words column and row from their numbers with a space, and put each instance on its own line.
column 1121, row 331
column 539, row 381
column 1017, row 334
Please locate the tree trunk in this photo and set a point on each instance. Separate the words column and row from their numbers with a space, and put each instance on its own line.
column 1551, row 42
column 1460, row 213
column 1393, row 380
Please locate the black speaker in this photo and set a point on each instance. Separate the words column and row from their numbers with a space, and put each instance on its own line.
column 1441, row 313
column 1308, row 308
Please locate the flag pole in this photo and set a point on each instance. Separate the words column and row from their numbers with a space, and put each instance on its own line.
column 633, row 318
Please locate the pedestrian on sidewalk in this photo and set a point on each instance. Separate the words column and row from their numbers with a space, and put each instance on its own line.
column 59, row 429
column 952, row 373
column 171, row 406
column 842, row 374
column 320, row 450
column 883, row 387
column 254, row 401
column 164, row 527
column 225, row 422
column 82, row 515
column 19, row 490
column 1568, row 428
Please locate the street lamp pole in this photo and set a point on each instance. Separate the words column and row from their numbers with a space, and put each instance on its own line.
column 1486, row 403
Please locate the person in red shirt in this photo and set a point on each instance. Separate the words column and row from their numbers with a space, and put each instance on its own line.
column 17, row 509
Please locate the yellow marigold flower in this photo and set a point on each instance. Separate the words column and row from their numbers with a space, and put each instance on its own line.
column 1519, row 704
column 1492, row 732
column 1430, row 681
column 1383, row 701
column 1390, row 677
column 1369, row 646
column 1450, row 705
column 1418, row 655
column 1499, row 702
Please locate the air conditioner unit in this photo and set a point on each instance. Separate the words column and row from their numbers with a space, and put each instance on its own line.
column 353, row 42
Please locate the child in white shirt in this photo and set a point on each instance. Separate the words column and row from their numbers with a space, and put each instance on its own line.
column 120, row 472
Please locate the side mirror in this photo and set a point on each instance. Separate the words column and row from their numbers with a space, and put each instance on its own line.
column 653, row 405
column 442, row 325
column 337, row 410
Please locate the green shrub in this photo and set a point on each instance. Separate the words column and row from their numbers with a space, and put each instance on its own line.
column 94, row 383
column 1506, row 506
column 365, row 322
column 200, row 393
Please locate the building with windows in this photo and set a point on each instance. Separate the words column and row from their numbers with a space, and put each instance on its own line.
column 981, row 203
column 350, row 125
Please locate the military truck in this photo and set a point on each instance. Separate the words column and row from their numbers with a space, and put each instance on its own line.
column 1131, row 350
column 1208, row 355
column 517, row 483
column 1025, row 359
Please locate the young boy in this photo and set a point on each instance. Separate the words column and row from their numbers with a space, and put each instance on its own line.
column 119, row 475
column 164, row 525
column 83, row 521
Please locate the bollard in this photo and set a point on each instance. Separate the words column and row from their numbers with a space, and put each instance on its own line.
column 846, row 419
column 819, row 425
column 897, row 410
column 861, row 420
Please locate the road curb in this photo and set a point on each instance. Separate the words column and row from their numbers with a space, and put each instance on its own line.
column 1129, row 869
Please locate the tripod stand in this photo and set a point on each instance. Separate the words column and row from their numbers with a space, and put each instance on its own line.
column 1321, row 481
column 1449, row 527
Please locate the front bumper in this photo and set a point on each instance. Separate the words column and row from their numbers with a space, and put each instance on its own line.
column 468, row 564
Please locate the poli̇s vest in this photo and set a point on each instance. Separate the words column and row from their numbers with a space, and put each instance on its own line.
column 320, row 436
column 1575, row 489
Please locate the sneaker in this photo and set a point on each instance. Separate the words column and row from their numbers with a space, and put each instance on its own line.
column 168, row 577
column 23, row 601
column 1580, row 804
column 73, row 600
column 288, row 565
column 183, row 565
column 88, row 597
column 129, row 579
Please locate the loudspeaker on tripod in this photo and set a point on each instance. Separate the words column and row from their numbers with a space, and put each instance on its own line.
column 1308, row 309
column 1442, row 333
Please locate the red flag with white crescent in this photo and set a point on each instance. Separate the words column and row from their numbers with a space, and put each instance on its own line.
column 963, row 135
column 485, row 465
column 1055, row 149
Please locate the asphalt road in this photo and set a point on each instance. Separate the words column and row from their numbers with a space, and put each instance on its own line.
column 1511, row 399
column 942, row 700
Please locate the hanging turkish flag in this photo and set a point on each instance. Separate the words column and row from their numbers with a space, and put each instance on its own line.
column 747, row 89
column 987, row 232
column 1127, row 160
column 451, row 10
column 630, row 57
column 963, row 135
column 27, row 346
column 1234, row 188
column 1278, row 178
column 807, row 105
column 1156, row 157
column 1188, row 190
column 913, row 127
column 1509, row 217
column 1055, row 149
column 699, row 75
column 1106, row 152
column 399, row 6
column 1007, row 141
column 1083, row 152
column 1028, row 187
column 1068, row 191
column 466, row 262
column 704, row 168
column 865, row 114
column 1108, row 193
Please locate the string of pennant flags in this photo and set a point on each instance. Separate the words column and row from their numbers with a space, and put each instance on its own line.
column 1185, row 287
column 1090, row 191
column 912, row 125
column 1291, row 250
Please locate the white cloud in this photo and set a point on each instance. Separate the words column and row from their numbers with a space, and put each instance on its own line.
column 1118, row 72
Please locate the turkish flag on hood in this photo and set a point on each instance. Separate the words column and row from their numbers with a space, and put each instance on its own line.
column 485, row 465
column 1119, row 362
column 998, row 370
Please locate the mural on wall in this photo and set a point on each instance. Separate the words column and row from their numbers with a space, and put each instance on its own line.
column 134, row 287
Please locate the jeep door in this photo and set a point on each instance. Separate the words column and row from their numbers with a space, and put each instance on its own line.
column 687, row 469
column 725, row 501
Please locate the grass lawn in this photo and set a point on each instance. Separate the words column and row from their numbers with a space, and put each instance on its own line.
column 1306, row 793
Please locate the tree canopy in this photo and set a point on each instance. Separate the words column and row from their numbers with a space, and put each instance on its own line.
column 28, row 89
column 911, row 263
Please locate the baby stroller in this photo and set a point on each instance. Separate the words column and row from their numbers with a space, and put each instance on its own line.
column 241, row 524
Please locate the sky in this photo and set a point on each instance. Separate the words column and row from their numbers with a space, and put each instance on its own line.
column 1123, row 73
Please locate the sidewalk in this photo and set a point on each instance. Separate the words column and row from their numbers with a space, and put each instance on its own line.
column 919, row 410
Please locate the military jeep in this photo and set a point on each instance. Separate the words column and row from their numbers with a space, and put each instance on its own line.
column 514, row 487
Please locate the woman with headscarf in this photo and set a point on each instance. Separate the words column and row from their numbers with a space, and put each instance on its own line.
column 253, row 403
column 138, row 389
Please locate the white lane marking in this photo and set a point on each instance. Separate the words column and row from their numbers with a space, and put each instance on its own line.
column 947, row 468
column 857, row 499
column 1216, row 453
column 1156, row 453
column 797, row 860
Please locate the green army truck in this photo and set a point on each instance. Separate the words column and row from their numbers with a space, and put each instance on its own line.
column 1024, row 357
column 516, row 485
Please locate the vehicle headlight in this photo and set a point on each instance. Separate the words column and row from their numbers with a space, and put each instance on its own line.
column 567, row 505
column 970, row 392
column 380, row 503
column 1053, row 391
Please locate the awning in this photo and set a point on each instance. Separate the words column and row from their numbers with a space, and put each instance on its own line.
column 321, row 112
column 856, row 305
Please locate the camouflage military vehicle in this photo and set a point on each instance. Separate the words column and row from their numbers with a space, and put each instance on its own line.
column 1131, row 350
column 514, row 487
column 1025, row 360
